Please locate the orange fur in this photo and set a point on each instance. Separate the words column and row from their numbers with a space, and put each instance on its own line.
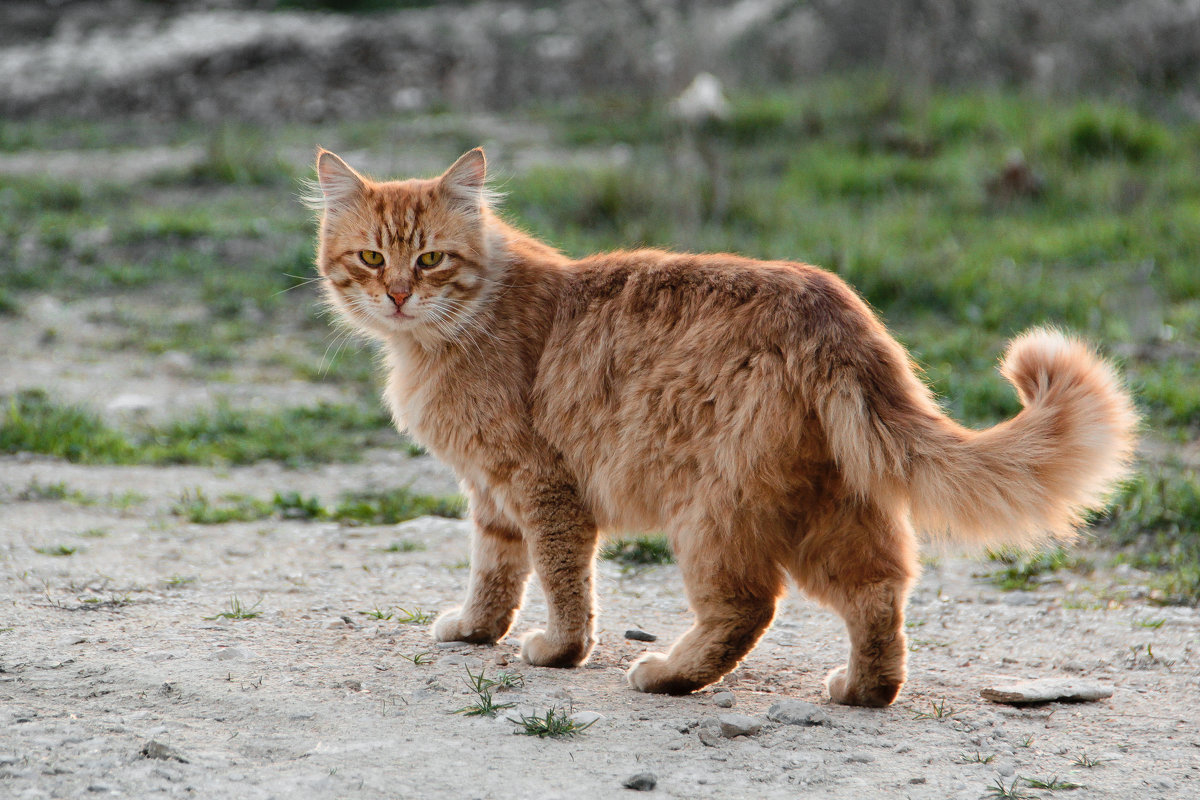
column 756, row 411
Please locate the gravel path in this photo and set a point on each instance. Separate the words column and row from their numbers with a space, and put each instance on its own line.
column 117, row 680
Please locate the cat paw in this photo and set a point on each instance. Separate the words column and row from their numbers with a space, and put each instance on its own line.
column 450, row 627
column 653, row 673
column 873, row 696
column 540, row 650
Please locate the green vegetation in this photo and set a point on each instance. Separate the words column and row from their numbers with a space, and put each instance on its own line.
column 355, row 508
column 555, row 724
column 1023, row 570
column 639, row 551
column 1095, row 226
column 238, row 610
column 484, row 688
column 32, row 422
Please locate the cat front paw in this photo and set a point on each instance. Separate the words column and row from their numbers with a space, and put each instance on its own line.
column 653, row 673
column 875, row 695
column 451, row 627
column 540, row 650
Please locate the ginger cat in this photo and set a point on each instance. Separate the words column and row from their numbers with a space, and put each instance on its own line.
column 758, row 412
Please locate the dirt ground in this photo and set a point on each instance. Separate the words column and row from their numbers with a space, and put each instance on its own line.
column 116, row 646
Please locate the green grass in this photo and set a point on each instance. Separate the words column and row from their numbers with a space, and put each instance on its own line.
column 887, row 188
column 31, row 421
column 1023, row 570
column 554, row 724
column 354, row 508
column 639, row 551
column 238, row 610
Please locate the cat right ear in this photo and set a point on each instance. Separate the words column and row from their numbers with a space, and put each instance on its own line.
column 338, row 182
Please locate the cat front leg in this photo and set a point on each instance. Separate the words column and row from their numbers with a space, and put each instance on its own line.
column 563, row 539
column 499, row 571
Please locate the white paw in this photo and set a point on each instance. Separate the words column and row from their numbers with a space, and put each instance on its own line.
column 448, row 627
column 645, row 673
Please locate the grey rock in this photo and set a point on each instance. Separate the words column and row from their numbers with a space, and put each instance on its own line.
column 708, row 737
column 1046, row 690
column 640, row 636
column 156, row 749
column 859, row 758
column 723, row 699
column 234, row 654
column 797, row 712
column 1006, row 768
column 642, row 782
column 738, row 725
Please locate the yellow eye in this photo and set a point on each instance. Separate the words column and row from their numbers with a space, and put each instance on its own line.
column 370, row 257
column 430, row 259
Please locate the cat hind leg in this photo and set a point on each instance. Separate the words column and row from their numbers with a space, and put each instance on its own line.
column 733, row 594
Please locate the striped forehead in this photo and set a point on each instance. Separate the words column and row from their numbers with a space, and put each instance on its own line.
column 398, row 213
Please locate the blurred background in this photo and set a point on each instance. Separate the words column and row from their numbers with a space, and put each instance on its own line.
column 973, row 167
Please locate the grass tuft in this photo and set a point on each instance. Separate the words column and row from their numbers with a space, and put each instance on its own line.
column 554, row 724
column 238, row 610
column 640, row 551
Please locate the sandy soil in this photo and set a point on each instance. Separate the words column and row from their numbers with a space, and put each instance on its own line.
column 114, row 647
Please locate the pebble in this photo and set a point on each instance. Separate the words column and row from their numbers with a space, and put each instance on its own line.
column 642, row 782
column 451, row 645
column 640, row 636
column 1006, row 768
column 234, row 654
column 723, row 699
column 1046, row 690
column 156, row 749
column 797, row 712
column 738, row 725
column 859, row 758
column 708, row 737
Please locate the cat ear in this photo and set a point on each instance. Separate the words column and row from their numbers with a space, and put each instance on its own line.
column 338, row 182
column 464, row 181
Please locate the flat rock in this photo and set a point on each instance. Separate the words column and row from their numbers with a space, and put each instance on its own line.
column 738, row 725
column 156, row 749
column 642, row 782
column 797, row 712
column 640, row 636
column 1046, row 690
column 723, row 699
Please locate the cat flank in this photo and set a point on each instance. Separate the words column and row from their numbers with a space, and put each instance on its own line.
column 757, row 412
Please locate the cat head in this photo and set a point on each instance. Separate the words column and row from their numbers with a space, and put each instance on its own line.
column 405, row 258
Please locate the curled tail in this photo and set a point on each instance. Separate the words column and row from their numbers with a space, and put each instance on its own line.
column 1028, row 478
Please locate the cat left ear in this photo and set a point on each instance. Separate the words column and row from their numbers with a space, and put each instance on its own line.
column 464, row 181
column 339, row 183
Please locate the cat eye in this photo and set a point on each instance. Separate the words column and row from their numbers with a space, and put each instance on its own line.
column 430, row 259
column 370, row 257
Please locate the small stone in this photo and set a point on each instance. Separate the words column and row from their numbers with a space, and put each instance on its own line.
column 738, row 725
column 1006, row 768
column 797, row 712
column 353, row 685
column 234, row 654
column 1046, row 690
column 708, row 737
column 917, row 780
column 723, row 699
column 640, row 636
column 451, row 645
column 155, row 749
column 642, row 782
column 859, row 758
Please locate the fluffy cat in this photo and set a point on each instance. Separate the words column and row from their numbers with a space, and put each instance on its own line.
column 758, row 412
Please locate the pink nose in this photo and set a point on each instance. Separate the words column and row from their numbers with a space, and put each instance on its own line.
column 398, row 298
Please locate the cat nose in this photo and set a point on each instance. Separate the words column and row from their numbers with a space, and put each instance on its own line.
column 398, row 298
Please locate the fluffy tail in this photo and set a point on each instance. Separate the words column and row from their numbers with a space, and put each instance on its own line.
column 1024, row 480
